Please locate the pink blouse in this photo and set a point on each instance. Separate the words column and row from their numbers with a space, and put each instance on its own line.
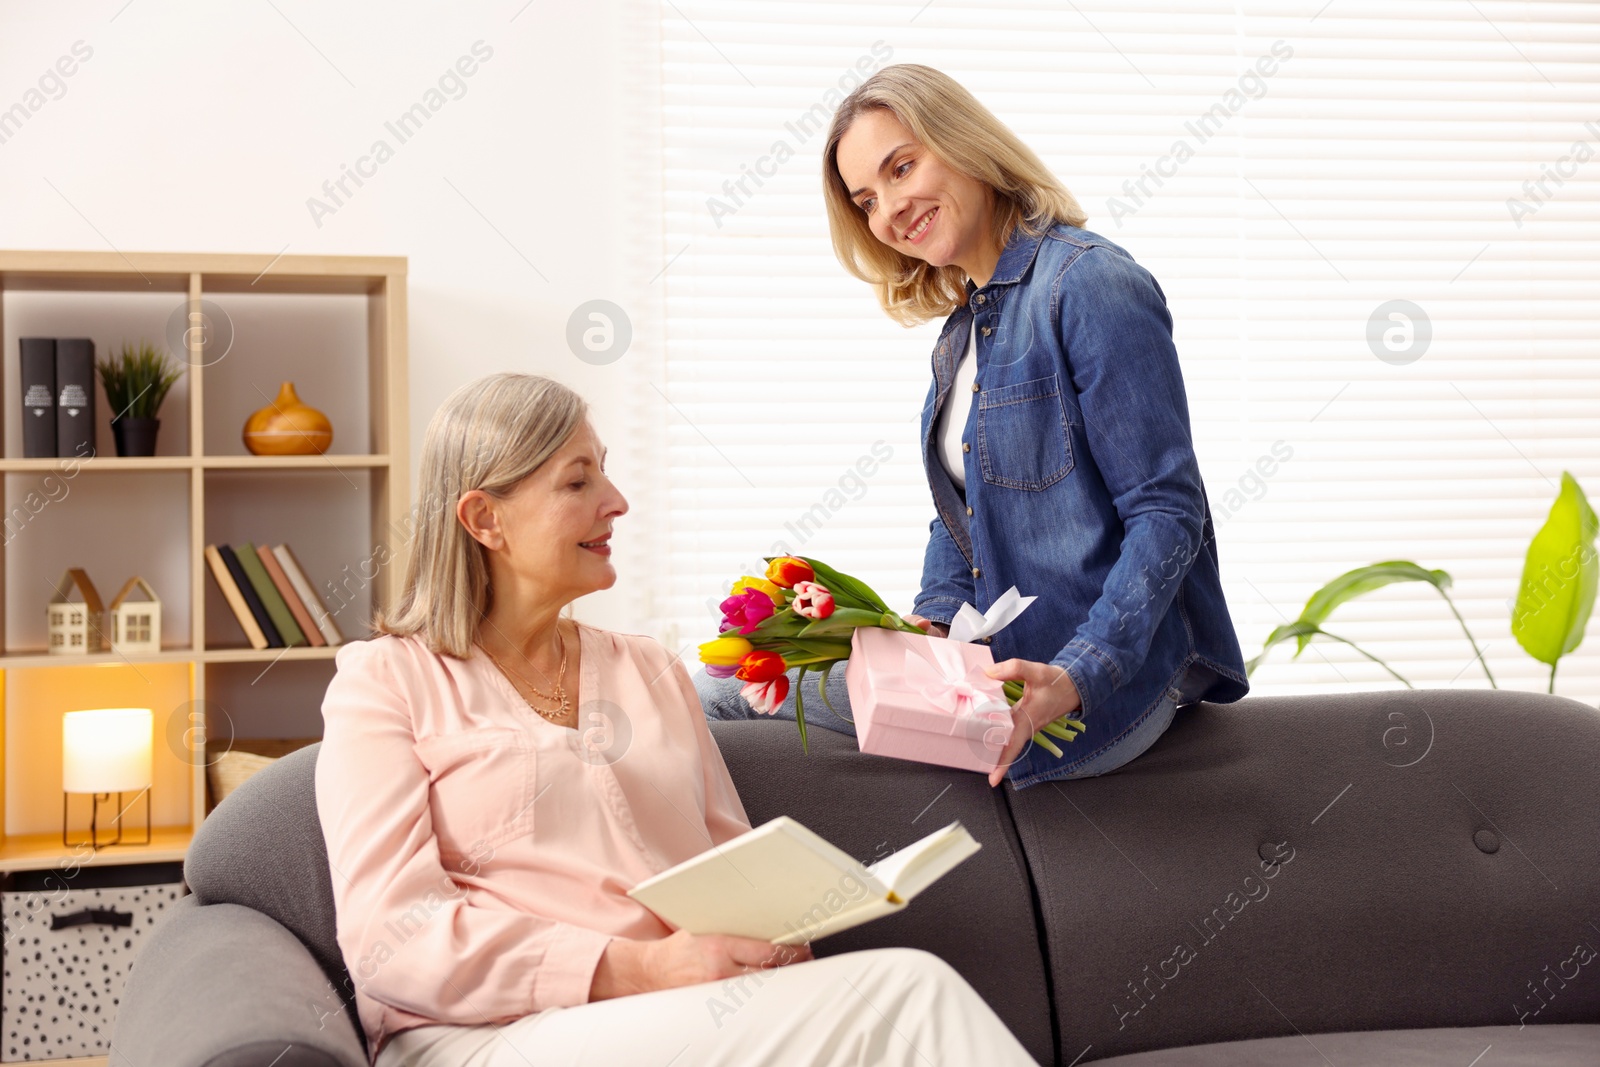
column 481, row 854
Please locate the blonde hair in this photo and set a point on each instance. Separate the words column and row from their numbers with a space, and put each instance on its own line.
column 967, row 136
column 489, row 435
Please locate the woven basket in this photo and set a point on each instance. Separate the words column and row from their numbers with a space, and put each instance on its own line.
column 233, row 769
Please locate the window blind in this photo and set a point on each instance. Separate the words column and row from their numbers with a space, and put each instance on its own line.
column 1375, row 225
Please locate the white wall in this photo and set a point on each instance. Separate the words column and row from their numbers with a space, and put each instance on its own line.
column 207, row 127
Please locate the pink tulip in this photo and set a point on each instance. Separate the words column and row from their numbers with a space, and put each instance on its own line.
column 746, row 610
column 812, row 601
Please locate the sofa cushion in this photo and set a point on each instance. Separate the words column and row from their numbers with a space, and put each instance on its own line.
column 1349, row 862
column 262, row 847
column 1569, row 1045
column 980, row 918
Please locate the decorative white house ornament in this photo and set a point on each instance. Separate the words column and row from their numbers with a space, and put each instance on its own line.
column 75, row 628
column 136, row 624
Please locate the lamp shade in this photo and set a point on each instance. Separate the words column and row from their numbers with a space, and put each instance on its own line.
column 106, row 750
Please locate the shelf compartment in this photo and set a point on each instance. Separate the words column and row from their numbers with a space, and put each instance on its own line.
column 53, row 522
column 319, row 343
column 109, row 319
column 36, row 698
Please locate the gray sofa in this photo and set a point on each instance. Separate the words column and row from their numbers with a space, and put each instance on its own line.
column 1380, row 878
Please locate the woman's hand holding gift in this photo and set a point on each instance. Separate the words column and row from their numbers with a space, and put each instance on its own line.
column 1047, row 695
column 928, row 626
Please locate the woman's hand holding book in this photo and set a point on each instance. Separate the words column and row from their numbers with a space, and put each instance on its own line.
column 631, row 966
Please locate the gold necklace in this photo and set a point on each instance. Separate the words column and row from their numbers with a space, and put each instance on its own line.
column 552, row 714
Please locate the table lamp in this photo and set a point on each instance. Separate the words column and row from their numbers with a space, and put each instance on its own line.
column 105, row 751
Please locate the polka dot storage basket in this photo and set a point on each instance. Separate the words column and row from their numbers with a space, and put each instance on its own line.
column 71, row 937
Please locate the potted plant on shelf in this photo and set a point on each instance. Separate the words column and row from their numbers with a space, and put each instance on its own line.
column 136, row 382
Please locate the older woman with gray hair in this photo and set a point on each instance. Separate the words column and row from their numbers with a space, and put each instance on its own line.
column 483, row 841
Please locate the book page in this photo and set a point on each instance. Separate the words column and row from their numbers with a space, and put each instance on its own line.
column 921, row 863
column 778, row 882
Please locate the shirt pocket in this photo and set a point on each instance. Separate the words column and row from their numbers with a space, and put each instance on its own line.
column 480, row 792
column 1023, row 438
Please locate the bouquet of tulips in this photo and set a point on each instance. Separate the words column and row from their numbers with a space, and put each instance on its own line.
column 802, row 614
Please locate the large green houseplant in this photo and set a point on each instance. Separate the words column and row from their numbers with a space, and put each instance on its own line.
column 1554, row 601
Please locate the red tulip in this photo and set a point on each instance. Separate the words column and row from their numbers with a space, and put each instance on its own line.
column 767, row 697
column 760, row 666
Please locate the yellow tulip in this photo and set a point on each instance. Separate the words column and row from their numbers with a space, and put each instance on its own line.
column 725, row 651
column 749, row 582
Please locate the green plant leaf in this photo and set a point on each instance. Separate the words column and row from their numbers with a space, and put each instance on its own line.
column 1297, row 630
column 839, row 584
column 843, row 621
column 800, row 710
column 1557, row 592
column 137, row 380
column 1359, row 582
column 816, row 648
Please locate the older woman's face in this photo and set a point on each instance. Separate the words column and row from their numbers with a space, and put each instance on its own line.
column 913, row 201
column 557, row 522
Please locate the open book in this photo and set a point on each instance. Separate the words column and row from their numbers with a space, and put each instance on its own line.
column 782, row 883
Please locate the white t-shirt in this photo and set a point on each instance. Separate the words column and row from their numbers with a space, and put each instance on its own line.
column 957, row 402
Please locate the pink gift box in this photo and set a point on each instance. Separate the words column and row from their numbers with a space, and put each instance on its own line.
column 896, row 716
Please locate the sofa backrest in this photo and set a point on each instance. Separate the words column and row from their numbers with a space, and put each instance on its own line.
column 1367, row 861
column 262, row 847
column 979, row 918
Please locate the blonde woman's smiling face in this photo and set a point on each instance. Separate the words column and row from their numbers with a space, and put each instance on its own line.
column 913, row 201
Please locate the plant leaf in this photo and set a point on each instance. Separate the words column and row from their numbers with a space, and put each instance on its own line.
column 1557, row 592
column 1297, row 630
column 843, row 621
column 800, row 710
column 1359, row 582
column 839, row 583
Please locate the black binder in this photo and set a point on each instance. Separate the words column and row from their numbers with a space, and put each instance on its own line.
column 74, row 397
column 38, row 397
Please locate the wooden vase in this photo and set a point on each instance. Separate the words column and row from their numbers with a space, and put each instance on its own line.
column 286, row 427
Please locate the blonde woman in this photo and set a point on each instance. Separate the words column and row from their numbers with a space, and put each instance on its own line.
column 1055, row 433
column 494, row 777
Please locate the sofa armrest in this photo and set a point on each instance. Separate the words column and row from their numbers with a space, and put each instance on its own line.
column 221, row 985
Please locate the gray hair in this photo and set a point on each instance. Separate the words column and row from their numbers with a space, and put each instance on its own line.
column 489, row 435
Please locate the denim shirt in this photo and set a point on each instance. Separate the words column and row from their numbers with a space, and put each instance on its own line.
column 1082, row 488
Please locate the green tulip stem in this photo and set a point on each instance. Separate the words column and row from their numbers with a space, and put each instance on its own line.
column 1478, row 652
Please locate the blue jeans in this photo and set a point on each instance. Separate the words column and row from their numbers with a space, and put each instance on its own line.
column 720, row 700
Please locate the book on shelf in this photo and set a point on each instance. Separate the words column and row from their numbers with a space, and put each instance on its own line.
column 235, row 598
column 38, row 396
column 280, row 580
column 252, row 599
column 781, row 882
column 282, row 619
column 74, row 396
column 320, row 615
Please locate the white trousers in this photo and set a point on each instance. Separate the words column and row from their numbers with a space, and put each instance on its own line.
column 888, row 1006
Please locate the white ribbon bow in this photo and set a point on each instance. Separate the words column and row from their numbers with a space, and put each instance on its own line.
column 951, row 685
column 971, row 625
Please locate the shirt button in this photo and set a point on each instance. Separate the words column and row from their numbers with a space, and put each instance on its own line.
column 977, row 572
column 980, row 298
column 974, row 387
column 969, row 511
column 986, row 331
column 986, row 640
column 966, row 447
